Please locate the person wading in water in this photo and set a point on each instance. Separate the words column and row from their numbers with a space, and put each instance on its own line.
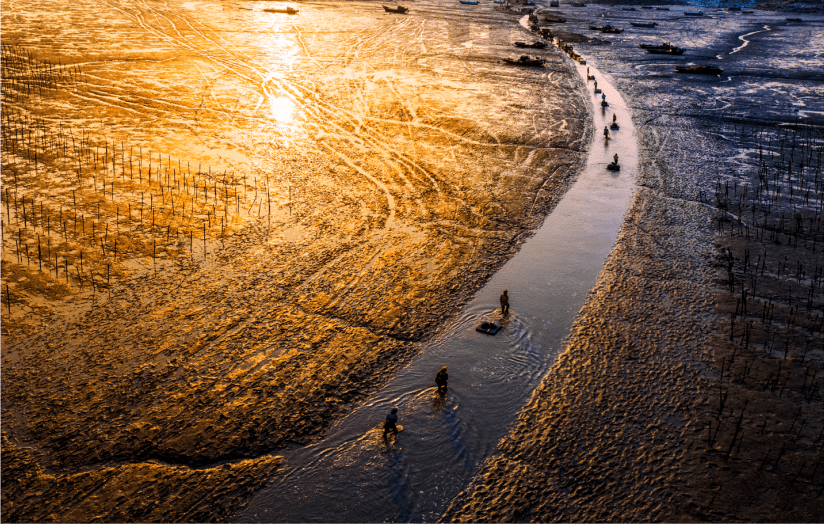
column 504, row 302
column 440, row 380
column 389, row 424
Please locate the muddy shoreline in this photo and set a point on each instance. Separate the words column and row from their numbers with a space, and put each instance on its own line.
column 671, row 402
column 181, row 378
column 173, row 390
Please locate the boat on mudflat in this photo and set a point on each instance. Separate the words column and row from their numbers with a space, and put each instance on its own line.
column 662, row 49
column 700, row 70
column 287, row 11
column 399, row 9
column 649, row 23
column 606, row 29
column 468, row 2
column 533, row 45
column 693, row 13
column 554, row 19
column 525, row 61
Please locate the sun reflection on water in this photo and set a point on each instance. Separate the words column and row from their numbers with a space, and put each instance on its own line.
column 282, row 109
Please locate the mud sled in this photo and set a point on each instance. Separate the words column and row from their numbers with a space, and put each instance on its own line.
column 490, row 328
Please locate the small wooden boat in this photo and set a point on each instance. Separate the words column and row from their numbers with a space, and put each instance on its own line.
column 794, row 20
column 700, row 70
column 399, row 9
column 468, row 2
column 662, row 8
column 646, row 7
column 693, row 13
column 649, row 23
column 533, row 45
column 627, row 9
column 525, row 61
column 733, row 9
column 606, row 29
column 578, row 4
column 663, row 49
column 287, row 11
column 555, row 19
column 497, row 1
column 489, row 328
column 747, row 12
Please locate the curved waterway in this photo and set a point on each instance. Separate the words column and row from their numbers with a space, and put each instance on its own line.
column 743, row 38
column 354, row 475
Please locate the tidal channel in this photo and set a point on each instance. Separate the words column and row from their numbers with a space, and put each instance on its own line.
column 354, row 474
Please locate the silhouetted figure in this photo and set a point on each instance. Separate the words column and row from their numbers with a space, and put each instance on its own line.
column 614, row 119
column 504, row 302
column 389, row 424
column 606, row 133
column 440, row 380
column 615, row 158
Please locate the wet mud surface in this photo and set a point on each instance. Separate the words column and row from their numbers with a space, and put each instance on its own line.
column 222, row 228
column 691, row 387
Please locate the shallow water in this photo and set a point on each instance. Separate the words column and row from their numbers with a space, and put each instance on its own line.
column 355, row 475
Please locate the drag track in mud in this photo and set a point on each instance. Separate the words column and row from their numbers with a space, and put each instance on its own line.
column 224, row 227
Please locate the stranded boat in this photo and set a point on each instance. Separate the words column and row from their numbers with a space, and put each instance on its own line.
column 533, row 45
column 287, row 11
column 662, row 49
column 606, row 29
column 468, row 2
column 399, row 9
column 693, row 13
column 662, row 8
column 525, row 61
column 700, row 70
column 489, row 328
column 648, row 23
column 555, row 19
